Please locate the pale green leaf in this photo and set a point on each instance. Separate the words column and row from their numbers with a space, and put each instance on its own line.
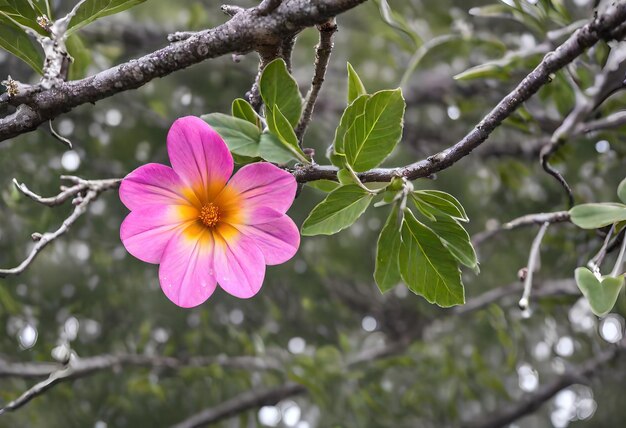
column 346, row 177
column 427, row 267
column 355, row 86
column 81, row 57
column 374, row 134
column 325, row 186
column 387, row 270
column 14, row 40
column 279, row 89
column 621, row 191
column 594, row 216
column 242, row 109
column 436, row 202
column 21, row 12
column 241, row 136
column 351, row 112
column 272, row 150
column 456, row 239
column 341, row 208
column 281, row 128
column 95, row 9
column 601, row 293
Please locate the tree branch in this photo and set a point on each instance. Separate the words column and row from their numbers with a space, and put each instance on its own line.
column 242, row 402
column 83, row 192
column 79, row 367
column 525, row 220
column 245, row 32
column 606, row 26
column 322, row 56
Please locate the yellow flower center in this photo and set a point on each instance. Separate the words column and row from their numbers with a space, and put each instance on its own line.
column 209, row 214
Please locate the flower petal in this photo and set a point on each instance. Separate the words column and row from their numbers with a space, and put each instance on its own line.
column 199, row 156
column 278, row 240
column 238, row 262
column 145, row 232
column 185, row 272
column 154, row 184
column 264, row 184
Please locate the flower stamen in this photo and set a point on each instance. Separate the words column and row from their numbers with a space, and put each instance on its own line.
column 209, row 214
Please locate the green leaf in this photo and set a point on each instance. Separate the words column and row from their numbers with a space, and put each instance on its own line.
column 325, row 186
column 345, row 177
column 600, row 293
column 397, row 21
column 280, row 127
column 42, row 7
column 436, row 202
column 387, row 270
column 241, row 136
column 279, row 89
column 21, row 12
column 242, row 109
column 456, row 239
column 348, row 117
column 81, row 55
column 355, row 86
column 95, row 9
column 14, row 40
column 593, row 216
column 272, row 150
column 427, row 266
column 483, row 71
column 621, row 191
column 374, row 134
column 341, row 208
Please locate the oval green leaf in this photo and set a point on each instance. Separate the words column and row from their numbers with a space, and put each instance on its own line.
column 355, row 86
column 340, row 209
column 387, row 270
column 456, row 239
column 621, row 191
column 279, row 89
column 14, row 40
column 95, row 9
column 600, row 293
column 427, row 266
column 374, row 134
column 242, row 109
column 281, row 128
column 436, row 202
column 593, row 216
column 241, row 136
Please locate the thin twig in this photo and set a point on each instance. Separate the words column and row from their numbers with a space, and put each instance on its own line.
column 89, row 188
column 533, row 262
column 607, row 82
column 601, row 27
column 261, row 397
column 242, row 402
column 525, row 220
column 619, row 262
column 596, row 261
column 322, row 56
column 59, row 137
column 559, row 287
column 80, row 367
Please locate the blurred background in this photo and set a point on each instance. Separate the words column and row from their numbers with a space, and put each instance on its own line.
column 319, row 315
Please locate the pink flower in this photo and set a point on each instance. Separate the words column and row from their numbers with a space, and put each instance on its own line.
column 201, row 227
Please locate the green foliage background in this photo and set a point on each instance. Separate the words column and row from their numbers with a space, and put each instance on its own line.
column 457, row 368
